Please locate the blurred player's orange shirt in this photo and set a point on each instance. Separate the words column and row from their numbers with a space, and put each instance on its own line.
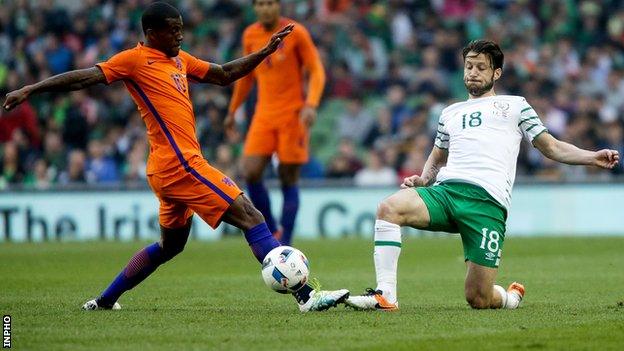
column 159, row 86
column 280, row 76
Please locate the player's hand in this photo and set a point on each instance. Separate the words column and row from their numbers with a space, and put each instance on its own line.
column 606, row 158
column 413, row 182
column 308, row 115
column 277, row 38
column 16, row 97
column 229, row 125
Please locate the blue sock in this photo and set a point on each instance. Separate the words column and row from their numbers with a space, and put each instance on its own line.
column 289, row 212
column 141, row 265
column 261, row 241
column 260, row 198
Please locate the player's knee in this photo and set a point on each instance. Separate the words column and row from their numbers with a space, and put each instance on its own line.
column 173, row 241
column 172, row 249
column 255, row 216
column 252, row 172
column 388, row 211
column 252, row 176
column 289, row 175
column 242, row 214
column 478, row 303
column 477, row 300
column 249, row 215
column 288, row 180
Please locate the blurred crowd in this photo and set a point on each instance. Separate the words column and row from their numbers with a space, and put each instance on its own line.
column 392, row 66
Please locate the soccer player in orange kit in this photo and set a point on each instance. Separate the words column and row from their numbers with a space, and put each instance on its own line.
column 156, row 74
column 283, row 115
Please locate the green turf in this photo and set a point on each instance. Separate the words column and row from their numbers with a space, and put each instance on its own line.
column 212, row 297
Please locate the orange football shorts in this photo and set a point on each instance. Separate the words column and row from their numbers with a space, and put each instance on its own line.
column 288, row 136
column 203, row 189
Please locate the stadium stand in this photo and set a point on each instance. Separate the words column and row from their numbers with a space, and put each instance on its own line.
column 391, row 65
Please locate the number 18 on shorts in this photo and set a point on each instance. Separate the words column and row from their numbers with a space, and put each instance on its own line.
column 491, row 246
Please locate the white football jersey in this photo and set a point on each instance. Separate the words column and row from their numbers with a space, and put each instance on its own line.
column 483, row 137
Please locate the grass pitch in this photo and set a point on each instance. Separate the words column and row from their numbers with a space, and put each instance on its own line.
column 211, row 297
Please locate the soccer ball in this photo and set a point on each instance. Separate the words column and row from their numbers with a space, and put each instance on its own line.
column 285, row 269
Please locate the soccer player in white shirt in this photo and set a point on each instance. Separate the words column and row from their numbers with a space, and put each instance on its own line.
column 466, row 184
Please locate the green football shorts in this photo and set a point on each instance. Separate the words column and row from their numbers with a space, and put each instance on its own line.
column 467, row 209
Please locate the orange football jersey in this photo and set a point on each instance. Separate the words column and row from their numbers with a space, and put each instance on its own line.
column 280, row 76
column 159, row 86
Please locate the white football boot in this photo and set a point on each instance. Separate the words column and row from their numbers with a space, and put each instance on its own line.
column 371, row 300
column 92, row 305
column 321, row 300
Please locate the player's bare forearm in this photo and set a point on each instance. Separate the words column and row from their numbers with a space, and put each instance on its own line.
column 435, row 161
column 227, row 73
column 232, row 71
column 560, row 151
column 68, row 81
column 563, row 152
column 430, row 173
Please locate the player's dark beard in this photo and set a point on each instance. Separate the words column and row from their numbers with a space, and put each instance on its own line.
column 478, row 91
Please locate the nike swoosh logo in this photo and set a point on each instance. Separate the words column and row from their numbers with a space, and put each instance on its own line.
column 150, row 62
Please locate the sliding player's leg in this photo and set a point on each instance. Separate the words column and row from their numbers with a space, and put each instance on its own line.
column 482, row 292
column 481, row 223
column 404, row 208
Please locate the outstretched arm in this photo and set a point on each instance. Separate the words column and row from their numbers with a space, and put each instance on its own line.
column 72, row 80
column 435, row 161
column 233, row 70
column 560, row 151
column 316, row 81
column 241, row 91
column 315, row 90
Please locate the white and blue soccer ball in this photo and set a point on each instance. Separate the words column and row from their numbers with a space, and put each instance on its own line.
column 285, row 269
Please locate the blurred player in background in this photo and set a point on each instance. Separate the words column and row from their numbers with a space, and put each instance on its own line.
column 466, row 184
column 284, row 112
column 156, row 74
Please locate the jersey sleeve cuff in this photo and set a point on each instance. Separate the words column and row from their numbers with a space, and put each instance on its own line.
column 545, row 130
column 311, row 104
column 105, row 72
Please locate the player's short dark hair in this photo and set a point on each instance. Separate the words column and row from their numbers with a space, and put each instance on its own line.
column 487, row 47
column 154, row 17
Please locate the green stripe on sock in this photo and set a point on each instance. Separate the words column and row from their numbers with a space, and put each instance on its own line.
column 388, row 243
